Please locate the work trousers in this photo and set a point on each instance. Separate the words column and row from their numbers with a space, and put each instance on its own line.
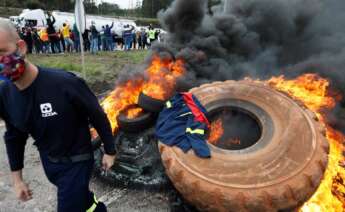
column 72, row 182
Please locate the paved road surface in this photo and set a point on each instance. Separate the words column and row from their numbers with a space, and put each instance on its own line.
column 45, row 193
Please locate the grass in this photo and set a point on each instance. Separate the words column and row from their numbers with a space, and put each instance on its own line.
column 101, row 69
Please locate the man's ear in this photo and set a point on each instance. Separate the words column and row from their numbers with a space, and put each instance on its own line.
column 22, row 48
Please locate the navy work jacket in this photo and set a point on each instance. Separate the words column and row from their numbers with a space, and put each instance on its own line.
column 183, row 123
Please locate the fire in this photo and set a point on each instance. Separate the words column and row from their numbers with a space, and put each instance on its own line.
column 311, row 89
column 162, row 75
column 216, row 131
column 123, row 96
column 158, row 82
column 314, row 92
column 235, row 141
column 133, row 112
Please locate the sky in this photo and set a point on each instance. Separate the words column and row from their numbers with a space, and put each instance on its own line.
column 122, row 3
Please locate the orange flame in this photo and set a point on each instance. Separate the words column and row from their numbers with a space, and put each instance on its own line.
column 216, row 131
column 162, row 75
column 314, row 92
column 158, row 82
column 235, row 141
column 119, row 99
column 311, row 89
column 133, row 112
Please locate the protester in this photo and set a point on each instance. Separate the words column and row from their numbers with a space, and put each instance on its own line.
column 45, row 40
column 152, row 34
column 134, row 40
column 53, row 36
column 54, row 107
column 37, row 41
column 76, row 37
column 67, row 37
column 27, row 36
column 86, row 39
column 143, row 35
column 48, row 40
column 128, row 37
column 108, row 37
column 138, row 38
column 94, row 38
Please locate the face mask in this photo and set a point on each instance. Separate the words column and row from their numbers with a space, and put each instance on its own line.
column 12, row 67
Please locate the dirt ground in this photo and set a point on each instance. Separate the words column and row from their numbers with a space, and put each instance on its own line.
column 117, row 199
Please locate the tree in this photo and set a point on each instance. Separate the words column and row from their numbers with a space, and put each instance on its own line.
column 150, row 8
column 34, row 4
column 108, row 9
column 90, row 7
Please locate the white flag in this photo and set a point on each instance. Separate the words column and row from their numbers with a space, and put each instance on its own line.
column 80, row 18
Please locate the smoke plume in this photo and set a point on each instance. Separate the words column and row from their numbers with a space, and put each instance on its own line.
column 259, row 39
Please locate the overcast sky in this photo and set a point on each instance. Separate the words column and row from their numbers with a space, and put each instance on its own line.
column 121, row 3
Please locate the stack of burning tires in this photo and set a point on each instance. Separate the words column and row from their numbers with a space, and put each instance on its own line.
column 270, row 156
column 138, row 162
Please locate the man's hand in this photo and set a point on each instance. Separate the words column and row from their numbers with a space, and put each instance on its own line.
column 22, row 191
column 108, row 161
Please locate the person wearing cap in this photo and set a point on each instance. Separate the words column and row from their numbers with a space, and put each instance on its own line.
column 55, row 108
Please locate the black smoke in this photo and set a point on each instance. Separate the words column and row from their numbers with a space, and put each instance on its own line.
column 259, row 39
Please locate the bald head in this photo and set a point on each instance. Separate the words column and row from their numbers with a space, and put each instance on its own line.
column 7, row 29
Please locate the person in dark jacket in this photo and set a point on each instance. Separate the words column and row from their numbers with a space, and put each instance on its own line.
column 128, row 37
column 143, row 38
column 53, row 36
column 55, row 108
column 28, row 39
column 86, row 40
column 108, row 37
column 76, row 38
column 37, row 41
column 94, row 38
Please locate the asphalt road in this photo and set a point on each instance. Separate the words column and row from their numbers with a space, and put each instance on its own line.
column 44, row 193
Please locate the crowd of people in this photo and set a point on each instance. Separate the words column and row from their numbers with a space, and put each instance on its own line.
column 67, row 39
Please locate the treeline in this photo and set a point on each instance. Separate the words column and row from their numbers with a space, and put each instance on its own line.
column 139, row 8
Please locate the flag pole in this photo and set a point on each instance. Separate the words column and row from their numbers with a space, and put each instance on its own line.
column 80, row 21
column 82, row 54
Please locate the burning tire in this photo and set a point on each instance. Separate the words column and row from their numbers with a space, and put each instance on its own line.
column 135, row 122
column 138, row 164
column 279, row 170
column 150, row 104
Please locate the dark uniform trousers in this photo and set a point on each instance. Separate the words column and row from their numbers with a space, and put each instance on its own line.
column 72, row 181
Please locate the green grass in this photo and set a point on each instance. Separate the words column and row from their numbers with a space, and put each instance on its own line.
column 101, row 69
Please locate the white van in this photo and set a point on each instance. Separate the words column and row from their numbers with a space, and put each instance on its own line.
column 37, row 18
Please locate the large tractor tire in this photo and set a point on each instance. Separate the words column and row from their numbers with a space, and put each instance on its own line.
column 279, row 172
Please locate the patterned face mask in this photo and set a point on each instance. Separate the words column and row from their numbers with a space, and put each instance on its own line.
column 12, row 67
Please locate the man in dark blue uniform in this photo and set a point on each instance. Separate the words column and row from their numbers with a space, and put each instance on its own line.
column 54, row 107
